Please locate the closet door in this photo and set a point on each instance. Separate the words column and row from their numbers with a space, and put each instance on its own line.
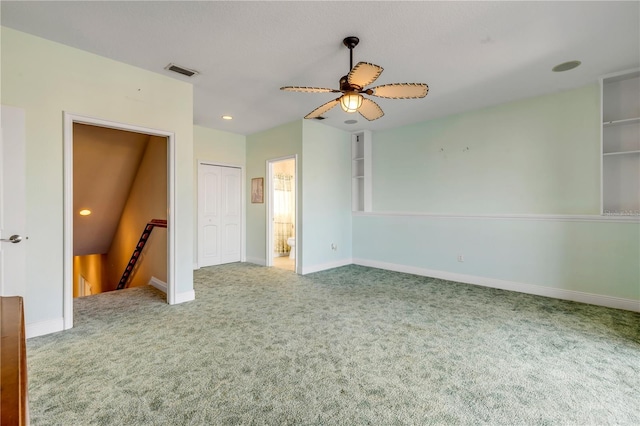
column 230, row 215
column 219, row 215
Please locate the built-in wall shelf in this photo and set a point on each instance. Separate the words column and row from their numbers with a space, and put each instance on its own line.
column 620, row 97
column 624, row 121
column 622, row 152
column 361, row 171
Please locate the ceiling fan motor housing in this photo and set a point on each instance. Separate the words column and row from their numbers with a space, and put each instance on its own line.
column 346, row 87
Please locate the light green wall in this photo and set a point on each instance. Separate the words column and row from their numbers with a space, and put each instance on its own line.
column 46, row 79
column 219, row 146
column 535, row 156
column 323, row 192
column 327, row 194
column 539, row 155
column 590, row 257
column 278, row 142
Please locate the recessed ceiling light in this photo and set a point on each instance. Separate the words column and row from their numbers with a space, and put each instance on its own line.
column 350, row 121
column 227, row 117
column 85, row 212
column 566, row 66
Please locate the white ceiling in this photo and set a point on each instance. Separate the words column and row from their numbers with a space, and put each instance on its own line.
column 472, row 54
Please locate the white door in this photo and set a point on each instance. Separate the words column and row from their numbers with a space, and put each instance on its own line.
column 12, row 203
column 230, row 214
column 219, row 214
column 208, row 215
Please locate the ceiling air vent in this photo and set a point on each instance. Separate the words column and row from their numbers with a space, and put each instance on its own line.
column 181, row 70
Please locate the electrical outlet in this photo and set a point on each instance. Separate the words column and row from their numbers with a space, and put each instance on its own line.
column 461, row 258
column 334, row 247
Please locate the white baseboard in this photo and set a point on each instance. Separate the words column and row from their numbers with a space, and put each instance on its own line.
column 323, row 267
column 556, row 293
column 195, row 266
column 41, row 328
column 159, row 284
column 187, row 296
column 257, row 261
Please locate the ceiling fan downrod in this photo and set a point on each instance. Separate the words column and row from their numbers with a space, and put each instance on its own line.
column 351, row 42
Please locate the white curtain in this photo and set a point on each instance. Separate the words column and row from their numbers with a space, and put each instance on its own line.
column 283, row 212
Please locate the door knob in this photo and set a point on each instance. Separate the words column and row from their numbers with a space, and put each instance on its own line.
column 15, row 239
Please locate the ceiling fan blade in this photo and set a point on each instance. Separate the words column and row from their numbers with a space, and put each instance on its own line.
column 363, row 74
column 400, row 91
column 370, row 110
column 308, row 89
column 322, row 109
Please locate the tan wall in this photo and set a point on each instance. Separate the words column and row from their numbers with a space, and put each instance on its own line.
column 91, row 267
column 147, row 200
column 105, row 164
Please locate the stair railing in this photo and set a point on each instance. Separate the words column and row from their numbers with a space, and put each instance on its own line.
column 154, row 223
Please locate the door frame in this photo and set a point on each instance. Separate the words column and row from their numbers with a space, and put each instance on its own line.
column 243, row 207
column 69, row 120
column 268, row 187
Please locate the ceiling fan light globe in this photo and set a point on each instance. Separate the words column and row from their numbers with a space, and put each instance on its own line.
column 351, row 101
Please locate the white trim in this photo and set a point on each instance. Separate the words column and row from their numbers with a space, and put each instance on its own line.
column 68, row 120
column 257, row 261
column 158, row 283
column 187, row 296
column 67, row 228
column 540, row 217
column 269, row 212
column 171, row 220
column 323, row 267
column 556, row 293
column 195, row 266
column 41, row 328
column 218, row 163
column 368, row 170
column 268, row 202
column 600, row 133
column 620, row 73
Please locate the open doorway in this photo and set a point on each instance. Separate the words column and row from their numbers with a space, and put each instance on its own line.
column 119, row 195
column 120, row 177
column 282, row 250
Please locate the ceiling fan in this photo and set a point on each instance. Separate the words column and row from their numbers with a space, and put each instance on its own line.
column 352, row 86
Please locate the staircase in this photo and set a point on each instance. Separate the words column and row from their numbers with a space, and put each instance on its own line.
column 138, row 250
